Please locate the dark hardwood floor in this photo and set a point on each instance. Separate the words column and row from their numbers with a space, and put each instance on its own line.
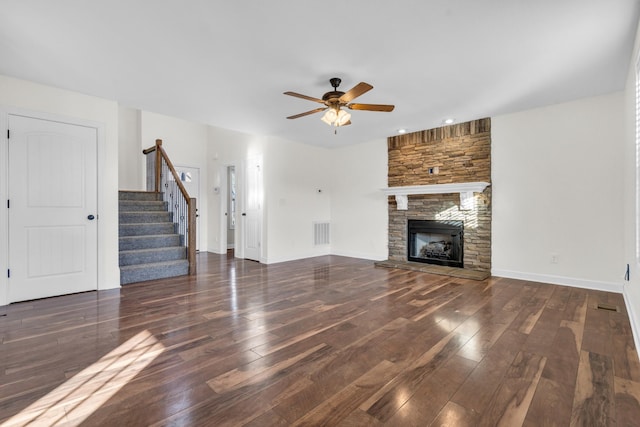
column 324, row 341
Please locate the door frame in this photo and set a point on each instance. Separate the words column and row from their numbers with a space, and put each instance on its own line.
column 222, row 193
column 5, row 112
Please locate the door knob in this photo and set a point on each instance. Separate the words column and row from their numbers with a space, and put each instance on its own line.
column 91, row 217
column 244, row 214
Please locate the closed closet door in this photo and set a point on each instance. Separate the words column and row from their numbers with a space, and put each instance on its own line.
column 53, row 240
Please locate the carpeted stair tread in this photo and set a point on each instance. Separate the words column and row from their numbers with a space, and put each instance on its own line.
column 146, row 256
column 149, row 241
column 142, row 206
column 139, row 195
column 146, row 228
column 155, row 216
column 152, row 271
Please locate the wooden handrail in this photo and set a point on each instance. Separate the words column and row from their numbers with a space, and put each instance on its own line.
column 191, row 202
column 176, row 177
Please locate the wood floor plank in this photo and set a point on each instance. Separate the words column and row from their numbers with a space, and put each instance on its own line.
column 489, row 373
column 510, row 404
column 627, row 401
column 553, row 401
column 624, row 352
column 598, row 336
column 321, row 341
column 397, row 392
column 593, row 403
column 434, row 393
column 340, row 405
column 455, row 415
column 256, row 372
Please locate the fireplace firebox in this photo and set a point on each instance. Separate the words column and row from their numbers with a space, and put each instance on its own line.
column 435, row 242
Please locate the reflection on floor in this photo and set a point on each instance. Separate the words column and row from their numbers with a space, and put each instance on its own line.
column 320, row 341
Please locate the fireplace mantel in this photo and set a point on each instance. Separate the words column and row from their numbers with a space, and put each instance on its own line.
column 466, row 190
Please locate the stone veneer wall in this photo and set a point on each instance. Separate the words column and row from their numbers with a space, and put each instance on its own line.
column 462, row 153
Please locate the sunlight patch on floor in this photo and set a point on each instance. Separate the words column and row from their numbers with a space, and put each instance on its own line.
column 76, row 399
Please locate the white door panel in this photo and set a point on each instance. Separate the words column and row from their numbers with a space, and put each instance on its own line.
column 253, row 210
column 55, row 250
column 52, row 193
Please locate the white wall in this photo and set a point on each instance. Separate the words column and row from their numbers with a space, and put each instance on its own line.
column 359, row 215
column 15, row 93
column 630, row 207
column 130, row 173
column 558, row 189
column 349, row 179
column 293, row 174
column 186, row 145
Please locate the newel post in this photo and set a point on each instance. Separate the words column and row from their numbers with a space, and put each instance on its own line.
column 158, row 164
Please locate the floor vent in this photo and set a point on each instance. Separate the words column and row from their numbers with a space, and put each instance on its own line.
column 321, row 233
column 608, row 307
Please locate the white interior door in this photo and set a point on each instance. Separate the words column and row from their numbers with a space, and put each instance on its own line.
column 53, row 208
column 252, row 214
column 190, row 178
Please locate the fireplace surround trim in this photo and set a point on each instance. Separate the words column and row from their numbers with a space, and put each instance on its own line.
column 465, row 189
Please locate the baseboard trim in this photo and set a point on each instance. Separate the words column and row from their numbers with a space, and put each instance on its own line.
column 292, row 258
column 109, row 281
column 560, row 280
column 360, row 255
column 633, row 316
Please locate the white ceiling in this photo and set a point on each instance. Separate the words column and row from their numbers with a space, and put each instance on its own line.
column 227, row 63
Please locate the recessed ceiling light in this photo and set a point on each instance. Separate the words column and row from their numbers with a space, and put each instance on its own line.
column 402, row 131
column 448, row 121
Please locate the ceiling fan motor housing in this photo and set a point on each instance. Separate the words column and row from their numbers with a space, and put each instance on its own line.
column 332, row 98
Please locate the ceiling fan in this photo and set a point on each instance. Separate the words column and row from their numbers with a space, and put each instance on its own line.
column 334, row 100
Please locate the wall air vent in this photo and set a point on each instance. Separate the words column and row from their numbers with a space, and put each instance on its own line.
column 321, row 233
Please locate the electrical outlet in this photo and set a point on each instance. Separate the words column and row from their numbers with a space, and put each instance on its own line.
column 554, row 258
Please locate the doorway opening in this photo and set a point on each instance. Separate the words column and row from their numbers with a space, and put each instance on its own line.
column 231, row 207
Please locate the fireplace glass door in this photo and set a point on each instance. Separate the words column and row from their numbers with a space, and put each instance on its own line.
column 435, row 242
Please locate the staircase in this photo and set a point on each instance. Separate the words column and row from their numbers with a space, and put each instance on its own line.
column 149, row 246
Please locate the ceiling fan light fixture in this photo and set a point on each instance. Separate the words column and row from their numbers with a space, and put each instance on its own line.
column 330, row 116
column 343, row 118
column 336, row 117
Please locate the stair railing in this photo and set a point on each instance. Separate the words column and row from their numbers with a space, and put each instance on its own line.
column 163, row 178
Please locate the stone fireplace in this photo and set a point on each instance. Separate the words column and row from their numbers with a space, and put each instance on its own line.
column 441, row 176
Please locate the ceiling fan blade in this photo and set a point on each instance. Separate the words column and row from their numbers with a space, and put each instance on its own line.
column 355, row 92
column 309, row 98
column 371, row 107
column 317, row 110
